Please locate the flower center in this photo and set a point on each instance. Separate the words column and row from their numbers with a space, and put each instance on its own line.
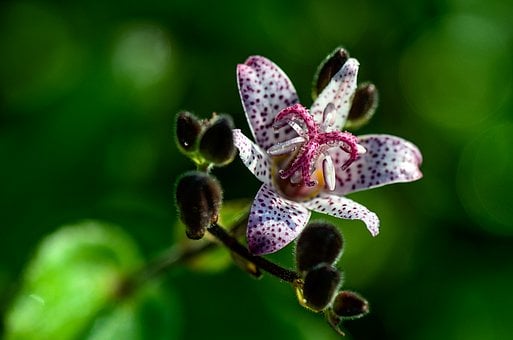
column 308, row 152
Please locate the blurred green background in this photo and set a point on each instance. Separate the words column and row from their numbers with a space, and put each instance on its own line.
column 88, row 94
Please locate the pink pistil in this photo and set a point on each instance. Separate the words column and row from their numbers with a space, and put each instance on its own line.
column 317, row 143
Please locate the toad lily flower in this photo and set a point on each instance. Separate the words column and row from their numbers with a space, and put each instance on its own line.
column 304, row 159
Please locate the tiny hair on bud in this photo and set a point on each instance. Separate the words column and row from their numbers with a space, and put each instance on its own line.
column 350, row 305
column 319, row 242
column 188, row 129
column 320, row 284
column 199, row 198
column 216, row 144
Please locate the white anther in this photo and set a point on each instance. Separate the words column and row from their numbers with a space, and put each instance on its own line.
column 295, row 178
column 285, row 147
column 328, row 170
column 328, row 116
column 361, row 150
column 299, row 130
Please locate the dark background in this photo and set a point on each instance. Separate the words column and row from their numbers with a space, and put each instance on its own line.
column 88, row 96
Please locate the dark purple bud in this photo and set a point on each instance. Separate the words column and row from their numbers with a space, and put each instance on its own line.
column 319, row 242
column 327, row 69
column 199, row 198
column 320, row 284
column 188, row 130
column 216, row 144
column 350, row 305
column 365, row 102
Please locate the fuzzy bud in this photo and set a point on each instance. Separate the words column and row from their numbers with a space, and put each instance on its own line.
column 319, row 242
column 349, row 305
column 216, row 144
column 319, row 286
column 188, row 129
column 365, row 102
column 327, row 69
column 199, row 198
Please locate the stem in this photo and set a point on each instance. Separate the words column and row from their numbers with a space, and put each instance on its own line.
column 231, row 243
column 179, row 254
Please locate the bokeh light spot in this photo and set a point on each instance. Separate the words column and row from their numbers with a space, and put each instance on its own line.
column 141, row 55
column 485, row 182
column 40, row 59
column 458, row 73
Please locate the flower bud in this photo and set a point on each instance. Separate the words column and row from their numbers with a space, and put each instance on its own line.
column 319, row 242
column 188, row 129
column 199, row 198
column 327, row 69
column 216, row 144
column 365, row 102
column 319, row 286
column 350, row 305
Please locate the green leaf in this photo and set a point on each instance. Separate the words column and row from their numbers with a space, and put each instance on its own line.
column 151, row 314
column 70, row 283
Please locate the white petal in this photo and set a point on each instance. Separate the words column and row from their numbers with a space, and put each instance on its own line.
column 345, row 208
column 338, row 92
column 388, row 159
column 265, row 90
column 255, row 159
column 274, row 221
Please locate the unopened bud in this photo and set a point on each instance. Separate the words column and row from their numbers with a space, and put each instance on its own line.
column 188, row 129
column 327, row 69
column 350, row 305
column 319, row 242
column 199, row 198
column 216, row 144
column 319, row 286
column 365, row 102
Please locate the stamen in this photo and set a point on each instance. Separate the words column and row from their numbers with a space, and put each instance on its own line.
column 298, row 128
column 361, row 150
column 328, row 170
column 295, row 178
column 328, row 116
column 285, row 147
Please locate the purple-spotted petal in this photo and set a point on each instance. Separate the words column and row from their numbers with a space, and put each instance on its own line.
column 339, row 93
column 274, row 221
column 345, row 208
column 388, row 159
column 254, row 158
column 265, row 90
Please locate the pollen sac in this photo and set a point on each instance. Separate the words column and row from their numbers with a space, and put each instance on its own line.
column 216, row 144
column 365, row 102
column 188, row 130
column 199, row 198
column 320, row 284
column 327, row 69
column 319, row 242
column 349, row 305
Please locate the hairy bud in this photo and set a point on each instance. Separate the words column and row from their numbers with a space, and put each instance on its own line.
column 319, row 242
column 199, row 198
column 319, row 286
column 365, row 102
column 188, row 130
column 349, row 305
column 216, row 144
column 327, row 69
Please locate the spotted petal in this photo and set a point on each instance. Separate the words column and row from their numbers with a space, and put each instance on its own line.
column 339, row 93
column 265, row 90
column 254, row 158
column 274, row 221
column 388, row 159
column 345, row 208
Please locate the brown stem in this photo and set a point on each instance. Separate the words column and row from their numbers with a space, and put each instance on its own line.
column 233, row 244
